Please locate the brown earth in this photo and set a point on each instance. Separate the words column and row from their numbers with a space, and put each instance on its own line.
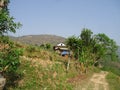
column 96, row 82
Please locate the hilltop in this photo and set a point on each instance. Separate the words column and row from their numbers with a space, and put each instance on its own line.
column 39, row 39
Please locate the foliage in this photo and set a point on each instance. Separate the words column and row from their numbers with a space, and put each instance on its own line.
column 107, row 46
column 86, row 37
column 89, row 48
column 31, row 48
column 9, row 56
column 114, row 81
column 9, row 60
column 113, row 67
column 46, row 46
column 7, row 23
column 50, row 77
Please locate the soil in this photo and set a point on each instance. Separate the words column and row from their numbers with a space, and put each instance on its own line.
column 96, row 82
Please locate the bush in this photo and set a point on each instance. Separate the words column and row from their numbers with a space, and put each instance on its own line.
column 9, row 59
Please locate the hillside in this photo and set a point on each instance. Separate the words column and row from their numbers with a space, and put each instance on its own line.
column 39, row 39
column 118, row 51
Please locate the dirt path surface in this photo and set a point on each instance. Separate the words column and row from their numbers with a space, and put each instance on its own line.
column 96, row 82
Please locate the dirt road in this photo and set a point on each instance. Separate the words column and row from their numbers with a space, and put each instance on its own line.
column 96, row 82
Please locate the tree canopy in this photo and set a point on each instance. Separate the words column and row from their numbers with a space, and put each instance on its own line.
column 7, row 23
column 89, row 48
column 9, row 53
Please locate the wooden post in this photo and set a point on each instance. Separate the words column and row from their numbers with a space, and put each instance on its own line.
column 68, row 64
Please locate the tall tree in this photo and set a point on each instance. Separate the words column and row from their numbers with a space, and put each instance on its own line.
column 74, row 44
column 9, row 53
column 86, row 37
column 7, row 23
column 106, row 45
column 91, row 48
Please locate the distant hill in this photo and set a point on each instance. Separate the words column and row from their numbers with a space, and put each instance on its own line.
column 39, row 39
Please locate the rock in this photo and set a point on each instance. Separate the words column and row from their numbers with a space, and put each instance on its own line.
column 2, row 82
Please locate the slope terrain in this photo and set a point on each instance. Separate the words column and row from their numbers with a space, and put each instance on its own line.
column 96, row 82
column 39, row 39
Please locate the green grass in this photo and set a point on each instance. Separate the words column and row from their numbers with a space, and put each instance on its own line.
column 113, row 77
column 112, row 66
column 43, row 78
column 114, row 81
column 54, row 76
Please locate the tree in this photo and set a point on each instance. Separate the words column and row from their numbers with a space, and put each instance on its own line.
column 81, row 47
column 73, row 44
column 86, row 37
column 9, row 53
column 106, row 45
column 90, row 48
column 7, row 23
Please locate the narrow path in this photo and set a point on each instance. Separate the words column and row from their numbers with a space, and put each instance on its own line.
column 96, row 82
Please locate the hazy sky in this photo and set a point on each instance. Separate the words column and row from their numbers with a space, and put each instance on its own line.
column 67, row 17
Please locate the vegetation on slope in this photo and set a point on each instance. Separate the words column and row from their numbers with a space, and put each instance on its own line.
column 9, row 54
column 113, row 77
column 91, row 49
column 43, row 69
column 113, row 67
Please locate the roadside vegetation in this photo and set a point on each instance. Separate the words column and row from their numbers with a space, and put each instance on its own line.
column 9, row 54
column 41, row 68
column 113, row 77
column 97, row 50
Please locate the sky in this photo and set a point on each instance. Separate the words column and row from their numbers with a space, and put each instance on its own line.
column 67, row 17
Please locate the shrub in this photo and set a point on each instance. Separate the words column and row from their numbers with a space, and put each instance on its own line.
column 9, row 59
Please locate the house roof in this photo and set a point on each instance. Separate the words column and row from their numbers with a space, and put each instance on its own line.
column 61, row 44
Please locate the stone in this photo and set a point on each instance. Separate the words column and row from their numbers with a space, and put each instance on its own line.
column 2, row 82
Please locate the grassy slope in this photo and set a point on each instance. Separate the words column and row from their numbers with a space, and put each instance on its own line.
column 43, row 69
column 113, row 77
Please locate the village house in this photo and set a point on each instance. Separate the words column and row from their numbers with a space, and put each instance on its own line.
column 61, row 49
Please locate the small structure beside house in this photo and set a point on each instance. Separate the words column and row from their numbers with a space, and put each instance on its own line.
column 61, row 49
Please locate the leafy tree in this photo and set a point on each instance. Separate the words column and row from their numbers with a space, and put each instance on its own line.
column 9, row 53
column 106, row 45
column 73, row 44
column 7, row 23
column 86, row 37
column 90, row 48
